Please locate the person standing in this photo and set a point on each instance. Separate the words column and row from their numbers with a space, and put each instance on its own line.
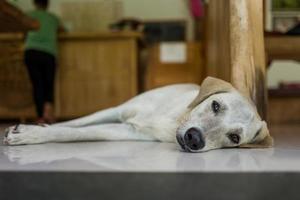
column 40, row 59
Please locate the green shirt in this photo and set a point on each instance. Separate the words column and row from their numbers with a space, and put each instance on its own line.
column 44, row 39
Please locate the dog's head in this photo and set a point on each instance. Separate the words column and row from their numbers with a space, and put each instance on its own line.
column 221, row 117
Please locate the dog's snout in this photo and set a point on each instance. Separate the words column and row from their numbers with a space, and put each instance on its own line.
column 193, row 139
column 180, row 141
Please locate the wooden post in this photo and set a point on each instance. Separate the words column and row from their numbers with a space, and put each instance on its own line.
column 247, row 50
column 240, row 53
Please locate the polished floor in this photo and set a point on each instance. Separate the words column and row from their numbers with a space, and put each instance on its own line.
column 153, row 156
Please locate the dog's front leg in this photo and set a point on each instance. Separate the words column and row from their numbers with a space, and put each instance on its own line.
column 29, row 134
column 111, row 115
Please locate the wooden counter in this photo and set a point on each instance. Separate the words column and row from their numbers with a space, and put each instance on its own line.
column 78, row 35
column 95, row 71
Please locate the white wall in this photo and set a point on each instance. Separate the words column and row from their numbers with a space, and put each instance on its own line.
column 23, row 4
column 283, row 71
column 160, row 9
column 143, row 9
column 177, row 9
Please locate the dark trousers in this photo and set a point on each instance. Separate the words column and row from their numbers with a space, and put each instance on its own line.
column 41, row 68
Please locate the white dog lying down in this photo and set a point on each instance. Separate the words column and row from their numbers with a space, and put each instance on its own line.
column 217, row 117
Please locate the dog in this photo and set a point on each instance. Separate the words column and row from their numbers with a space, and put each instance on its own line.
column 200, row 118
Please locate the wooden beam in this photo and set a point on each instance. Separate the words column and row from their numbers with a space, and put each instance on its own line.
column 235, row 46
column 247, row 50
column 217, row 51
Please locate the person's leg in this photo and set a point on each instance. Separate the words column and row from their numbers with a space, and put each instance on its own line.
column 34, row 71
column 49, row 78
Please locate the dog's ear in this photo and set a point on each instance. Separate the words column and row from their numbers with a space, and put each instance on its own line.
column 262, row 138
column 209, row 87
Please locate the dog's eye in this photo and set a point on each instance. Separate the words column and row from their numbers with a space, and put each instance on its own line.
column 215, row 106
column 235, row 138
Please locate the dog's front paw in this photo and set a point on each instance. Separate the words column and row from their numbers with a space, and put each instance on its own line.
column 23, row 134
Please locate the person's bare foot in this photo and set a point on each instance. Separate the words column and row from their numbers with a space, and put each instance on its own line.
column 49, row 113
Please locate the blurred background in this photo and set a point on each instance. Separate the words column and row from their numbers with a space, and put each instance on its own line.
column 111, row 50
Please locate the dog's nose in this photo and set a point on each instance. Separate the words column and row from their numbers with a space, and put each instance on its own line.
column 193, row 139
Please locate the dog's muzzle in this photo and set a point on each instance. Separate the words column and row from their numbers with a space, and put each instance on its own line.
column 192, row 140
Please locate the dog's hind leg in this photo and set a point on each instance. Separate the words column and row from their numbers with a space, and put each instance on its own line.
column 111, row 115
column 30, row 134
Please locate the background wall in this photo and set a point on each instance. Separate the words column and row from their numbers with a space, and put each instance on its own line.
column 175, row 9
column 143, row 9
column 283, row 71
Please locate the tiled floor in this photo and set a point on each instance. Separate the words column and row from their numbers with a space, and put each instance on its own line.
column 153, row 156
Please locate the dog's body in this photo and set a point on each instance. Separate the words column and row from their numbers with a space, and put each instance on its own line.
column 153, row 115
column 160, row 115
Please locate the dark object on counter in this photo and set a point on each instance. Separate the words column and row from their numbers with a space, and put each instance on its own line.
column 154, row 31
column 290, row 85
column 164, row 31
column 126, row 24
column 295, row 30
column 286, row 89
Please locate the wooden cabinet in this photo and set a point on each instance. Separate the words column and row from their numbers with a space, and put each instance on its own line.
column 160, row 73
column 95, row 71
